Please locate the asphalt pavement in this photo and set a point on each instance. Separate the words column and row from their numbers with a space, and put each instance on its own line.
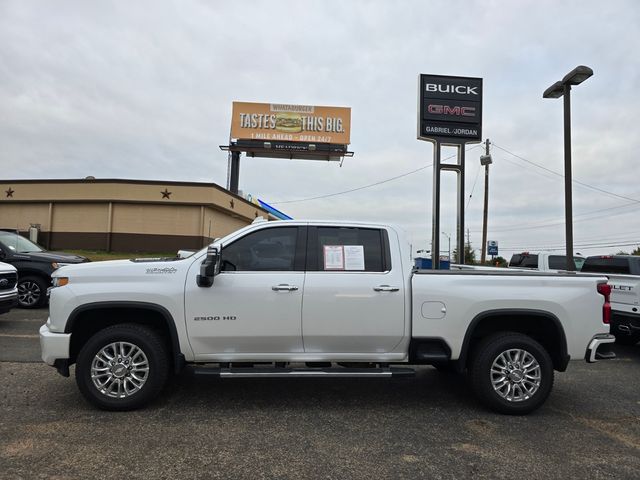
column 424, row 427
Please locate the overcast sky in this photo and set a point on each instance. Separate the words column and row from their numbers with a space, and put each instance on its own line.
column 144, row 90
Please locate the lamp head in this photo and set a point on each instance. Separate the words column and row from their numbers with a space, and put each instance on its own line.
column 554, row 91
column 577, row 75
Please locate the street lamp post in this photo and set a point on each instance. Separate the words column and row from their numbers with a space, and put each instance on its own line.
column 448, row 238
column 557, row 90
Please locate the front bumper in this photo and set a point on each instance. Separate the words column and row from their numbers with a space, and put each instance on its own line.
column 8, row 300
column 54, row 346
column 593, row 355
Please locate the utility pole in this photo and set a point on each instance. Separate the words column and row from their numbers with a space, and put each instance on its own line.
column 486, row 161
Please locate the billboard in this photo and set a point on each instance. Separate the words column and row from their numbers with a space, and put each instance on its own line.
column 450, row 109
column 275, row 122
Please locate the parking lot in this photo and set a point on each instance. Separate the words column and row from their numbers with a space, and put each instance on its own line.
column 423, row 427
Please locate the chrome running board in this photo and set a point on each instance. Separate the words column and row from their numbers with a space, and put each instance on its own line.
column 258, row 372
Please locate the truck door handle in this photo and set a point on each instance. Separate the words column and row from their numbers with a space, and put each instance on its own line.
column 386, row 288
column 284, row 288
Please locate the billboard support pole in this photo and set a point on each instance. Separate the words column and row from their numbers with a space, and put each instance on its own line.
column 235, row 172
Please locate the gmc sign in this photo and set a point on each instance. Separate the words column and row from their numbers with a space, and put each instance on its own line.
column 450, row 109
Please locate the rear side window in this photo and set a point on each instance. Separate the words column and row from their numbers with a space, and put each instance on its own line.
column 606, row 265
column 348, row 249
column 524, row 261
column 558, row 262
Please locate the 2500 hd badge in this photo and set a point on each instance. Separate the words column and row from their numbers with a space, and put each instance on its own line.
column 214, row 318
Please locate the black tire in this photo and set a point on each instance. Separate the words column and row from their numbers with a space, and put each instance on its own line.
column 145, row 340
column 32, row 292
column 627, row 339
column 489, row 352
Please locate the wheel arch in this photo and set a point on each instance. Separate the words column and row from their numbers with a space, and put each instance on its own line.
column 150, row 314
column 32, row 272
column 543, row 326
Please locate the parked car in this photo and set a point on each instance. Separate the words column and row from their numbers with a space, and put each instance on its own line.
column 8, row 290
column 34, row 265
column 624, row 277
column 543, row 261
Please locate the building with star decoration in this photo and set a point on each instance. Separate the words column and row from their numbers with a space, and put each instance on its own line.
column 123, row 215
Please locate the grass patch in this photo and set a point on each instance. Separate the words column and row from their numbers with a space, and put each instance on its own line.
column 100, row 255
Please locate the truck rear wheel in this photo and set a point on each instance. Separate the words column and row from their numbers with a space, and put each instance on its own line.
column 122, row 367
column 511, row 373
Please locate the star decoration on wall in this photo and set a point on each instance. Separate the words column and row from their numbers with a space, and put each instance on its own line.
column 166, row 193
column 231, row 203
column 10, row 192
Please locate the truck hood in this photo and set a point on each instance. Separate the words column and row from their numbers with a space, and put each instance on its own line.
column 49, row 257
column 125, row 268
column 6, row 268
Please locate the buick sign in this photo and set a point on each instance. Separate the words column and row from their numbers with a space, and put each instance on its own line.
column 450, row 109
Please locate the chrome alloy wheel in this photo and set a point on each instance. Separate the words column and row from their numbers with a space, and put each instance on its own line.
column 28, row 293
column 515, row 375
column 119, row 369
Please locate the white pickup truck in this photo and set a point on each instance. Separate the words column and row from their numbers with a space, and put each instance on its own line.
column 318, row 299
column 623, row 272
column 544, row 261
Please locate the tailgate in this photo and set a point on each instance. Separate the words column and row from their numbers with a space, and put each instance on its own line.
column 624, row 289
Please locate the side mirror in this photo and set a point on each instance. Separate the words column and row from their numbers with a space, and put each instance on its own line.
column 209, row 268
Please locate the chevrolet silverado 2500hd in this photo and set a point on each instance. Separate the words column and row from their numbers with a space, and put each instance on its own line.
column 318, row 299
column 623, row 272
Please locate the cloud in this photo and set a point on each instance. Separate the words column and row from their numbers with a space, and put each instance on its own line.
column 144, row 90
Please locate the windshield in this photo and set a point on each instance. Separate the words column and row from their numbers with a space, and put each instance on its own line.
column 18, row 244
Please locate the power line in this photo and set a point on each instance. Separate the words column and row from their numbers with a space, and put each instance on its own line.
column 583, row 246
column 474, row 186
column 319, row 197
column 557, row 223
column 586, row 185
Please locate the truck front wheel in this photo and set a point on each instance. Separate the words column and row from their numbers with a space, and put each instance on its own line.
column 122, row 367
column 511, row 373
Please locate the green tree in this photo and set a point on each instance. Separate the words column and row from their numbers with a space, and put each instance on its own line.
column 497, row 262
column 469, row 254
column 636, row 251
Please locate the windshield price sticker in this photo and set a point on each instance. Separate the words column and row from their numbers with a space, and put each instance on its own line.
column 344, row 257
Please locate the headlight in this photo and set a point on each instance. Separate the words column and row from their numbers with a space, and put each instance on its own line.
column 57, row 265
column 59, row 281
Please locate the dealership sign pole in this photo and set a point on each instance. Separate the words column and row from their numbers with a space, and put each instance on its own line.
column 449, row 113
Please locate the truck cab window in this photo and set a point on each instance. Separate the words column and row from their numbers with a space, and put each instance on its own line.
column 270, row 249
column 374, row 244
